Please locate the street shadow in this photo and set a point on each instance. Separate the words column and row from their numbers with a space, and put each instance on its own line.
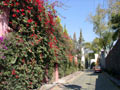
column 93, row 73
column 103, row 82
column 89, row 70
column 73, row 87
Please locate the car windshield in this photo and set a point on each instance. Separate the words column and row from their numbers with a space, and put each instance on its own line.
column 97, row 67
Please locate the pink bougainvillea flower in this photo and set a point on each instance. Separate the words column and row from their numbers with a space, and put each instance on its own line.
column 14, row 15
column 30, row 83
column 36, row 36
column 17, row 76
column 17, row 3
column 31, row 35
column 5, row 4
column 27, row 25
column 7, row 0
column 17, row 11
column 30, row 20
column 23, row 61
column 10, row 22
column 13, row 72
column 35, row 23
column 50, row 44
column 13, row 10
column 9, row 30
column 29, row 7
column 32, row 43
column 23, row 14
column 12, row 4
column 28, row 11
column 22, row 10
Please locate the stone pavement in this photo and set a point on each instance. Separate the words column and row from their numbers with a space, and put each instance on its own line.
column 87, row 80
column 60, row 83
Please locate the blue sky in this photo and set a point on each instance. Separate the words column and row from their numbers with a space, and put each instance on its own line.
column 76, row 13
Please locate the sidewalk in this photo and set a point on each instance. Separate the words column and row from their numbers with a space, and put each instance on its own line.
column 59, row 84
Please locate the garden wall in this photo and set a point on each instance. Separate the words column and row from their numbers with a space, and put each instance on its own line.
column 113, row 59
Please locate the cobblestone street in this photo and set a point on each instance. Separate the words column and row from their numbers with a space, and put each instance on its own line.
column 90, row 81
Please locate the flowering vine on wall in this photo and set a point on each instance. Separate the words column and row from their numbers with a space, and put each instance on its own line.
column 36, row 43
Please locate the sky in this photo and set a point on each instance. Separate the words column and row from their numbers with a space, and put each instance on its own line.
column 74, row 15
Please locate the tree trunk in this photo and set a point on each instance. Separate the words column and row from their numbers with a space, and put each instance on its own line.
column 4, row 19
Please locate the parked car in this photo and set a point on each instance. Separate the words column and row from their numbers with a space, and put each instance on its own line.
column 97, row 69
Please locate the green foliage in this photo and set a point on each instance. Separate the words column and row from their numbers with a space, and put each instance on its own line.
column 80, row 41
column 98, row 20
column 102, row 29
column 29, row 53
column 80, row 44
column 115, row 21
column 67, row 68
column 23, row 58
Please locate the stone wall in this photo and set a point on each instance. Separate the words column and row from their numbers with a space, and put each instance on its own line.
column 113, row 59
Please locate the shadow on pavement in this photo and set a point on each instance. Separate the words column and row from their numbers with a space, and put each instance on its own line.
column 94, row 74
column 73, row 87
column 103, row 82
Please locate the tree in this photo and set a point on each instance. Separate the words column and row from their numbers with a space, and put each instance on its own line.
column 88, row 52
column 115, row 20
column 80, row 44
column 114, row 13
column 75, row 43
column 96, row 45
column 98, row 20
column 88, row 47
column 80, row 41
column 102, row 29
column 74, row 38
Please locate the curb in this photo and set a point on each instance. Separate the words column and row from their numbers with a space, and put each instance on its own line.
column 114, row 80
column 46, row 87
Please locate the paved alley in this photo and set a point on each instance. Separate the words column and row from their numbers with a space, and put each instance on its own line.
column 90, row 81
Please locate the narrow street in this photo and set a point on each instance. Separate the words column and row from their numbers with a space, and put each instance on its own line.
column 91, row 81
